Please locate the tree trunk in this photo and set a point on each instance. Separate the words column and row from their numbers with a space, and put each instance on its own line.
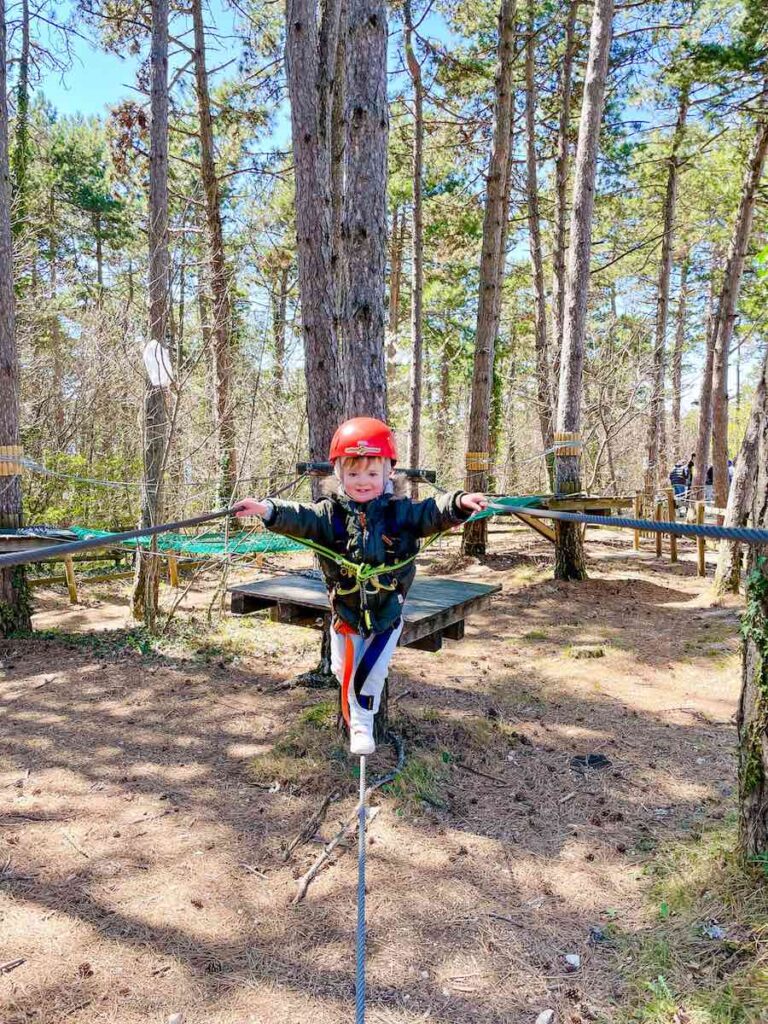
column 560, row 241
column 728, row 572
column 146, row 584
column 310, row 54
column 364, row 231
column 397, row 239
column 545, row 400
column 655, row 463
column 14, row 597
column 491, row 274
column 677, row 359
column 569, row 550
column 705, row 394
column 222, row 305
column 21, row 149
column 753, row 705
column 729, row 295
column 338, row 153
column 417, row 246
column 279, row 305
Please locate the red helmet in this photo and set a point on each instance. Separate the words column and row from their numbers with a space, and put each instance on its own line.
column 363, row 436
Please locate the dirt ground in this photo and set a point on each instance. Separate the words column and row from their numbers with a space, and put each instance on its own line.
column 141, row 870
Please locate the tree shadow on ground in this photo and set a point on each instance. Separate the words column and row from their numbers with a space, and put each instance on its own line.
column 147, row 763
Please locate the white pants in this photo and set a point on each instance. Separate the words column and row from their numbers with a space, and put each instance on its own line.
column 373, row 684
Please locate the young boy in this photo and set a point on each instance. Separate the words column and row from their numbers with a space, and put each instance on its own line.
column 367, row 523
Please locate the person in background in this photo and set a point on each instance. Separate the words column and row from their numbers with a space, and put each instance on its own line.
column 709, row 488
column 680, row 482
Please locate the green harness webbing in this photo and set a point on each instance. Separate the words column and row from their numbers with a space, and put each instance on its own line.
column 363, row 573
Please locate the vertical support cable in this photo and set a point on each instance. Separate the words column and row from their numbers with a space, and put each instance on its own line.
column 360, row 966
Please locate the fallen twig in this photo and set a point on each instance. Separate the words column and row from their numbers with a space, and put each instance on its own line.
column 11, row 965
column 400, row 696
column 483, row 775
column 350, row 823
column 312, row 825
column 74, row 846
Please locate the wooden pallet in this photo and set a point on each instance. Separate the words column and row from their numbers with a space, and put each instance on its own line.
column 434, row 609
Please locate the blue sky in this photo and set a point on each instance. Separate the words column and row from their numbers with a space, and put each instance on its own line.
column 96, row 79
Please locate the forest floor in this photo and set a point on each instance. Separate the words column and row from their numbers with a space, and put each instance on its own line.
column 148, row 789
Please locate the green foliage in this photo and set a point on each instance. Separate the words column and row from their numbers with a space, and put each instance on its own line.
column 15, row 615
column 754, row 629
column 675, row 971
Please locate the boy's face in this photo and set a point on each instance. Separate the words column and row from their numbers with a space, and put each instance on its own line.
column 363, row 479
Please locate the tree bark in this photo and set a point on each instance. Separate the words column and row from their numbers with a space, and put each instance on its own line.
column 560, row 241
column 364, row 230
column 569, row 551
column 545, row 399
column 752, row 719
column 728, row 572
column 491, row 275
column 220, row 279
column 705, row 394
column 14, row 597
column 279, row 306
column 146, row 584
column 655, row 473
column 417, row 246
column 396, row 245
column 310, row 53
column 21, row 149
column 729, row 295
column 677, row 358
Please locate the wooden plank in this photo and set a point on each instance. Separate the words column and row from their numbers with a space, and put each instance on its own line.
column 455, row 631
column 432, row 605
column 173, row 571
column 701, row 550
column 588, row 502
column 69, row 572
column 46, row 581
column 659, row 517
column 637, row 506
column 538, row 526
column 431, row 642
column 672, row 516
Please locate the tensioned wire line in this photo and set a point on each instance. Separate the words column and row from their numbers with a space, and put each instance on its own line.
column 363, row 573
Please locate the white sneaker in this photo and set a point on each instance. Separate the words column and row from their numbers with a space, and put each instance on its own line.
column 360, row 730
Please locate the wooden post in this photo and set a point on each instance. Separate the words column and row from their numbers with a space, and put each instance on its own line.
column 569, row 546
column 658, row 515
column 672, row 516
column 173, row 571
column 637, row 508
column 700, row 541
column 69, row 572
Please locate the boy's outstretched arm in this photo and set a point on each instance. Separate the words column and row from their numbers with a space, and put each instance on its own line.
column 437, row 514
column 290, row 518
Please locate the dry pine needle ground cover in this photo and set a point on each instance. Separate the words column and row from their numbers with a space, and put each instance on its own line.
column 148, row 791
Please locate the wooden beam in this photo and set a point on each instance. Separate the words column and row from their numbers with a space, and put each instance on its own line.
column 672, row 516
column 701, row 550
column 69, row 572
column 538, row 526
column 173, row 571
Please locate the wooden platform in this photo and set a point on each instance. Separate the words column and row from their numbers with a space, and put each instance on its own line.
column 594, row 505
column 435, row 608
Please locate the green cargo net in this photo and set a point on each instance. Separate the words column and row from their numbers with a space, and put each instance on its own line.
column 203, row 545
